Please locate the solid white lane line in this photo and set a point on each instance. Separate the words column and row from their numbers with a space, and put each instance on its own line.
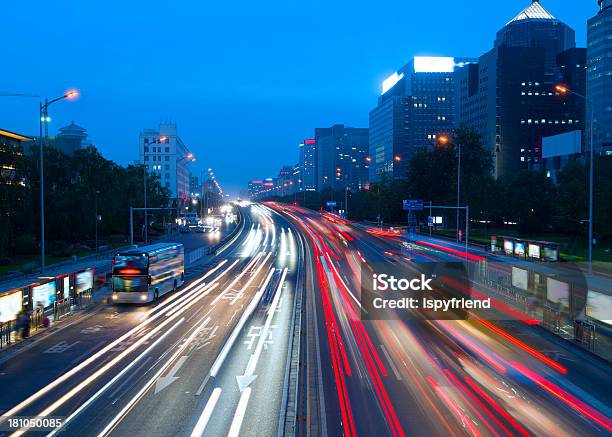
column 248, row 284
column 391, row 363
column 91, row 378
column 196, row 289
column 239, row 415
column 237, row 278
column 263, row 335
column 198, row 431
column 115, row 379
column 151, row 381
column 245, row 316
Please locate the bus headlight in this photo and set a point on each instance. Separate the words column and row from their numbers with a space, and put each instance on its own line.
column 143, row 297
column 115, row 297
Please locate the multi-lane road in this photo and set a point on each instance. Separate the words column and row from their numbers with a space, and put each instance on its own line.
column 266, row 338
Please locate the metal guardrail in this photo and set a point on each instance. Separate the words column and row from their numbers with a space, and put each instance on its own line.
column 8, row 332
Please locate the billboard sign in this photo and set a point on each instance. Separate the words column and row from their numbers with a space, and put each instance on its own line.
column 413, row 204
column 84, row 281
column 599, row 306
column 557, row 291
column 66, row 287
column 434, row 64
column 508, row 246
column 533, row 250
column 520, row 278
column 43, row 295
column 10, row 305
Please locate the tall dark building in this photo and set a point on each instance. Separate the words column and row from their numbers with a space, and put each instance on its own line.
column 308, row 165
column 416, row 105
column 509, row 96
column 599, row 76
column 341, row 157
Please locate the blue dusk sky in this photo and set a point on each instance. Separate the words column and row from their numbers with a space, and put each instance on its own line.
column 244, row 81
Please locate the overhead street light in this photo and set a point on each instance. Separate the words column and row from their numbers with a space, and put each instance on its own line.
column 564, row 90
column 445, row 140
column 44, row 118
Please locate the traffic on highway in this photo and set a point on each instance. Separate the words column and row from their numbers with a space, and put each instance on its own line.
column 268, row 336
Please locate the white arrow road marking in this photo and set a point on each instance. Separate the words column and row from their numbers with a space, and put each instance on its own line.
column 232, row 338
column 248, row 376
column 126, row 369
column 165, row 381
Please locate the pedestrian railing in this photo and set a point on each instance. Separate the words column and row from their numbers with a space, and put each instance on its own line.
column 8, row 332
column 84, row 299
column 36, row 319
column 61, row 308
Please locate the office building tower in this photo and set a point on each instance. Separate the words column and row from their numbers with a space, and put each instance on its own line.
column 342, row 153
column 164, row 154
column 509, row 96
column 415, row 106
column 599, row 77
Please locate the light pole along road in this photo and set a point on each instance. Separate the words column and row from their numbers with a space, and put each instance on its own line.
column 563, row 90
column 44, row 118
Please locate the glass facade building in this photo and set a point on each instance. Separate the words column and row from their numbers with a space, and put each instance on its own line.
column 599, row 77
column 341, row 157
column 510, row 98
column 416, row 105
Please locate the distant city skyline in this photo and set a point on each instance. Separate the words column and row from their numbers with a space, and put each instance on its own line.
column 242, row 105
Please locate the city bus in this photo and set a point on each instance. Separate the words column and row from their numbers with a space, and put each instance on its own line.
column 146, row 273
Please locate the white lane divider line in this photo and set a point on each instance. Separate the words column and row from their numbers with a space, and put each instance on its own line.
column 249, row 374
column 198, row 431
column 130, row 404
column 391, row 363
column 239, row 415
column 116, row 378
column 245, row 316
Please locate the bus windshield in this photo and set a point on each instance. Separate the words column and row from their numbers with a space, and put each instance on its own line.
column 123, row 262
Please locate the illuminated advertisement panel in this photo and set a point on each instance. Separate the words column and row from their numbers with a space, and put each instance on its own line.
column 557, row 291
column 519, row 248
column 434, row 64
column 43, row 295
column 519, row 278
column 10, row 305
column 390, row 82
column 65, row 287
column 551, row 254
column 599, row 306
column 533, row 250
column 84, row 281
column 508, row 247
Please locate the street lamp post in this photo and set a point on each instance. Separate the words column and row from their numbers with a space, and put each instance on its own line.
column 44, row 118
column 444, row 140
column 190, row 157
column 96, row 208
column 565, row 90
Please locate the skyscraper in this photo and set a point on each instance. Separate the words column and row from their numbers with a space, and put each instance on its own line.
column 599, row 76
column 341, row 157
column 308, row 165
column 164, row 154
column 509, row 96
column 415, row 106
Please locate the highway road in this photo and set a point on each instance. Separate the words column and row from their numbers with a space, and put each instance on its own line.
column 216, row 357
column 431, row 377
column 209, row 358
